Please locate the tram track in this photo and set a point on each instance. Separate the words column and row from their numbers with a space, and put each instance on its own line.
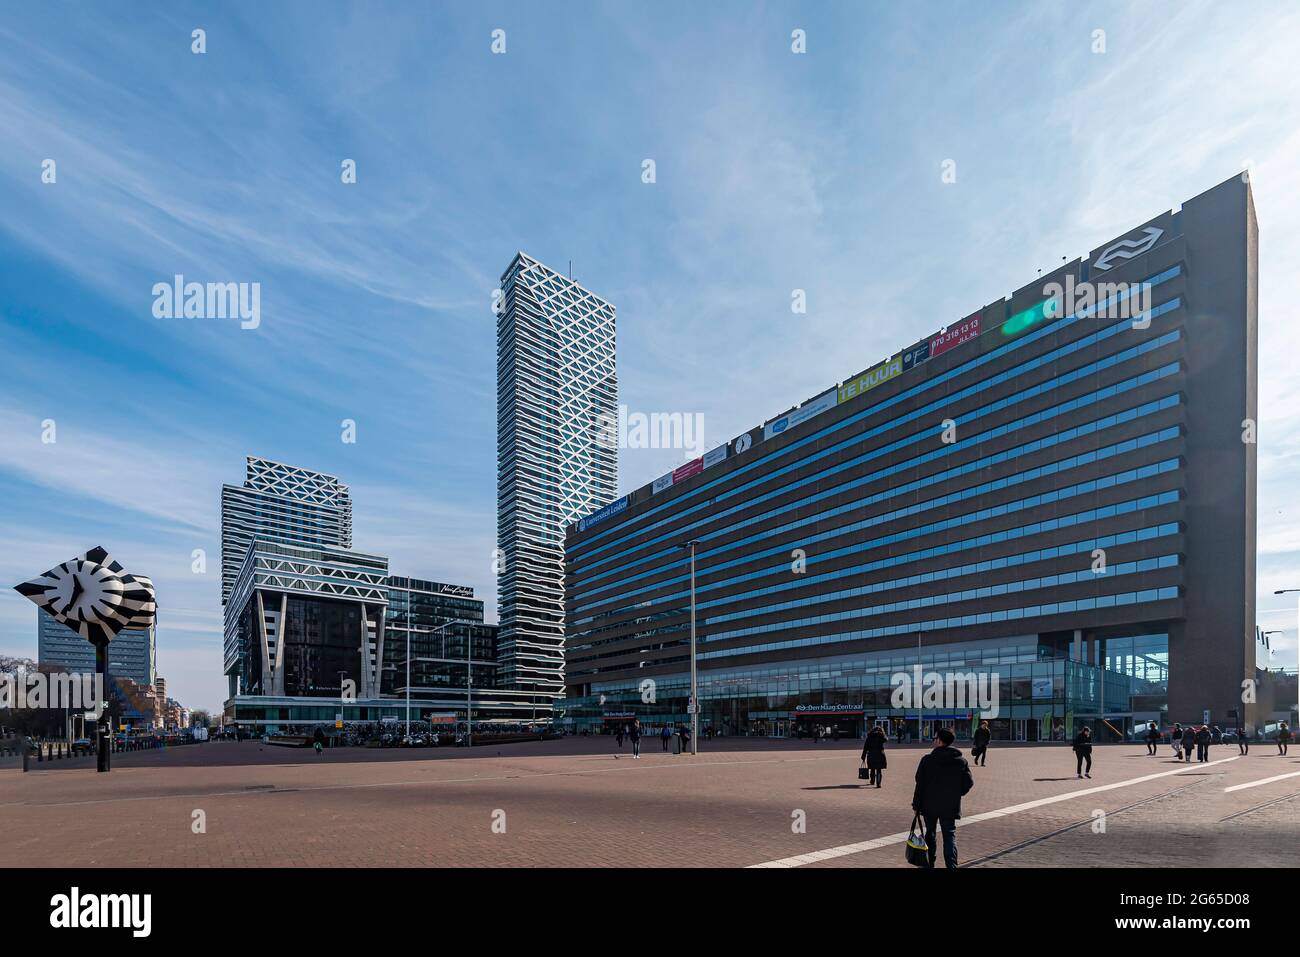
column 1085, row 822
column 1260, row 807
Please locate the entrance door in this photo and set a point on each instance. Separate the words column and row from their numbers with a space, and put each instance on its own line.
column 1018, row 729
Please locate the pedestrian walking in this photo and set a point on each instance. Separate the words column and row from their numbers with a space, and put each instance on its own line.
column 1083, row 752
column 320, row 753
column 1189, row 742
column 943, row 778
column 1153, row 737
column 980, row 750
column 666, row 735
column 1283, row 738
column 635, row 734
column 1176, row 741
column 873, row 753
column 901, row 729
column 1216, row 735
column 1203, row 739
column 619, row 735
column 686, row 738
column 1243, row 741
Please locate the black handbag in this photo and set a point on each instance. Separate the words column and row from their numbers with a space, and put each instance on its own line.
column 918, row 852
column 864, row 774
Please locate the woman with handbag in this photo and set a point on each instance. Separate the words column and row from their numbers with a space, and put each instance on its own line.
column 873, row 753
column 1083, row 751
column 980, row 750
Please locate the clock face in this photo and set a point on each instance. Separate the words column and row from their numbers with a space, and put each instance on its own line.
column 84, row 591
column 94, row 596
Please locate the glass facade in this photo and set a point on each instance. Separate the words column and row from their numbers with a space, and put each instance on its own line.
column 433, row 622
column 322, row 646
column 1040, row 693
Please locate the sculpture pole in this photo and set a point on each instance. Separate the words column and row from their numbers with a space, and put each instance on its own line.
column 101, row 707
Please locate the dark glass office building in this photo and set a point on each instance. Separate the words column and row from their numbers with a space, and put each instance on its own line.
column 436, row 626
column 1054, row 495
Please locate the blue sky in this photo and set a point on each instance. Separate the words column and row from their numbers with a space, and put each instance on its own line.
column 775, row 172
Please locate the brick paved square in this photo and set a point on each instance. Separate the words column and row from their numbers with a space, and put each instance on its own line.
column 583, row 802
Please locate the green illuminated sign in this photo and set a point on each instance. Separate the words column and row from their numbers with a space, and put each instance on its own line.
column 1030, row 317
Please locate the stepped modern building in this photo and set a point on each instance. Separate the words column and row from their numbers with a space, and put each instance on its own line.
column 557, row 393
column 315, row 630
column 1054, row 494
column 280, row 503
column 285, row 502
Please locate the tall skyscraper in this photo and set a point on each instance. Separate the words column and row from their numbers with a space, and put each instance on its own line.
column 557, row 393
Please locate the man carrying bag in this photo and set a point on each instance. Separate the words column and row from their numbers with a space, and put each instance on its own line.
column 942, row 778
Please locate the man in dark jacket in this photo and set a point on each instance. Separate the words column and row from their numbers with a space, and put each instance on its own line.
column 942, row 778
column 1189, row 742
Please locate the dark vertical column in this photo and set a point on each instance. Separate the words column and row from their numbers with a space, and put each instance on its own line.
column 101, row 705
column 1211, row 652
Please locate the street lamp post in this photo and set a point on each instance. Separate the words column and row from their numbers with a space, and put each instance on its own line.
column 469, row 674
column 695, row 697
column 1289, row 591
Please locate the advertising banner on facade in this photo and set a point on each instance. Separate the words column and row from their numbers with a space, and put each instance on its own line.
column 714, row 456
column 802, row 414
column 916, row 355
column 661, row 483
column 963, row 331
column 693, row 467
column 871, row 378
column 610, row 510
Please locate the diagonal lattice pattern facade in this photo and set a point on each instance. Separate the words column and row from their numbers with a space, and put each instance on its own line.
column 286, row 502
column 556, row 384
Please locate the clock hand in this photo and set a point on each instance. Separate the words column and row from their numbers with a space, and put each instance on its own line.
column 76, row 591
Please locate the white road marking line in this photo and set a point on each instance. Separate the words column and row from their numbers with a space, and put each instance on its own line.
column 901, row 836
column 1255, row 784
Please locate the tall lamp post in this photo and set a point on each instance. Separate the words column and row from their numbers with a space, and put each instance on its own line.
column 1290, row 591
column 695, row 697
column 469, row 674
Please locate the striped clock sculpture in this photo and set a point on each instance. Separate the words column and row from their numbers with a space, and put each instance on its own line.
column 94, row 596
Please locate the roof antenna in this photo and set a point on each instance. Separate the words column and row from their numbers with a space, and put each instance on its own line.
column 570, row 270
